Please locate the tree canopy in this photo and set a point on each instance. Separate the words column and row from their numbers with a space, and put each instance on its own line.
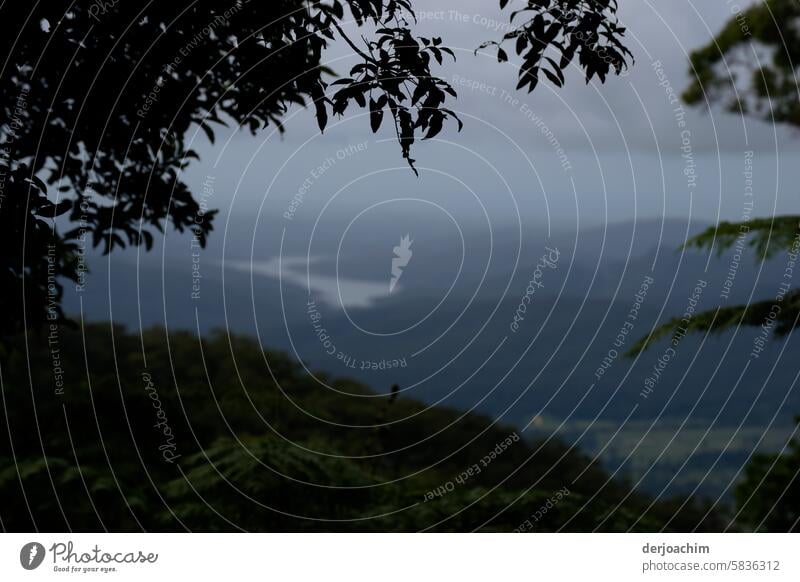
column 749, row 69
column 97, row 98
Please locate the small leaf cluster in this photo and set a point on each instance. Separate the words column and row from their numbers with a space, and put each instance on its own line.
column 552, row 34
column 395, row 77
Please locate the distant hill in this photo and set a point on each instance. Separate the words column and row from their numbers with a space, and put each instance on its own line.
column 167, row 432
column 448, row 322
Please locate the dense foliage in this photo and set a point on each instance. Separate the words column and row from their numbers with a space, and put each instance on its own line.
column 97, row 99
column 749, row 67
column 768, row 495
column 214, row 434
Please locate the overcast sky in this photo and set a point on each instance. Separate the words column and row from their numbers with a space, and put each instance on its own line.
column 621, row 142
